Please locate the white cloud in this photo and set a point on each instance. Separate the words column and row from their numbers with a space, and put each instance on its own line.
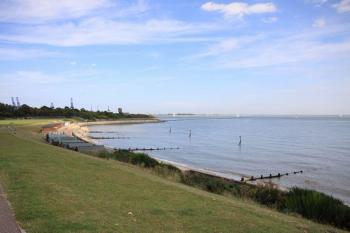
column 224, row 46
column 343, row 6
column 104, row 31
column 283, row 48
column 270, row 19
column 285, row 52
column 239, row 9
column 30, row 77
column 20, row 54
column 317, row 3
column 37, row 77
column 319, row 23
column 43, row 10
column 221, row 47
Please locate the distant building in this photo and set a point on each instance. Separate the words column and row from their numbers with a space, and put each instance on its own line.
column 71, row 103
column 120, row 110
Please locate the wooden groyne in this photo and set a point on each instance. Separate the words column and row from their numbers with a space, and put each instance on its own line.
column 149, row 149
column 103, row 132
column 94, row 137
column 271, row 176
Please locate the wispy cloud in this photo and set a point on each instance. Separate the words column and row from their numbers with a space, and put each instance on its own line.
column 319, row 23
column 283, row 54
column 224, row 46
column 343, row 6
column 94, row 31
column 32, row 77
column 269, row 19
column 42, row 10
column 271, row 49
column 317, row 3
column 12, row 53
column 239, row 9
column 41, row 78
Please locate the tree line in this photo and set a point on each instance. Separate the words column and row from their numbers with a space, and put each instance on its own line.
column 25, row 111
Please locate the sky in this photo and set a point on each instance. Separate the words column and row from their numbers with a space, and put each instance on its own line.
column 184, row 56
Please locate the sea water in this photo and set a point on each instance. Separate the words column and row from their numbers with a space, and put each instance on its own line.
column 319, row 146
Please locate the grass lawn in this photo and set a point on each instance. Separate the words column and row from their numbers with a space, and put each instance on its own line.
column 31, row 122
column 55, row 190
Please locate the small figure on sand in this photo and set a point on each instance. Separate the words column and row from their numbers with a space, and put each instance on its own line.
column 190, row 134
column 170, row 130
column 240, row 141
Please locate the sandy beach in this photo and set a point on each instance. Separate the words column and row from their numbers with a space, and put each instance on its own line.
column 81, row 130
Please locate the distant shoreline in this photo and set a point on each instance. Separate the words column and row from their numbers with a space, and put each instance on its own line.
column 119, row 122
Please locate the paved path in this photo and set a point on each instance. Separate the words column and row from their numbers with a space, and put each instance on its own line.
column 7, row 219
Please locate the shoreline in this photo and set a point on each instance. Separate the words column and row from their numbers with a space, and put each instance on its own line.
column 119, row 122
column 81, row 131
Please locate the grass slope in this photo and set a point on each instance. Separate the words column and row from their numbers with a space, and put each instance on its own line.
column 29, row 122
column 56, row 190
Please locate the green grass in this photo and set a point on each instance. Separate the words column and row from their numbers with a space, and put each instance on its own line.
column 311, row 204
column 56, row 190
column 32, row 122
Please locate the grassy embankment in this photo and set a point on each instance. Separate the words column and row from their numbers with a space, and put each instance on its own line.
column 310, row 204
column 55, row 190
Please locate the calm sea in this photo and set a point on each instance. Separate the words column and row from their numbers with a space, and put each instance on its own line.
column 320, row 146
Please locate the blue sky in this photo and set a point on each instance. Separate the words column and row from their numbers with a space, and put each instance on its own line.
column 231, row 57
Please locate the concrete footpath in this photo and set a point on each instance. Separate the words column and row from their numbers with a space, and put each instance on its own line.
column 8, row 222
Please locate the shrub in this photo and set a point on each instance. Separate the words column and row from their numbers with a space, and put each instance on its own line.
column 168, row 171
column 270, row 196
column 104, row 155
column 209, row 182
column 135, row 158
column 318, row 206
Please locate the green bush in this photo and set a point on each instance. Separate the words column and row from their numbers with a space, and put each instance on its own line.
column 104, row 155
column 318, row 206
column 210, row 183
column 168, row 171
column 270, row 196
column 135, row 158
